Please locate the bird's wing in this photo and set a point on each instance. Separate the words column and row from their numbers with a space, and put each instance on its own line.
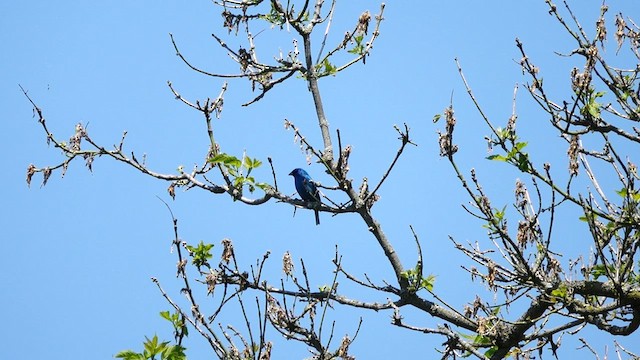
column 311, row 189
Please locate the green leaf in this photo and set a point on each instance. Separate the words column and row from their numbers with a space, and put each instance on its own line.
column 175, row 352
column 166, row 315
column 592, row 108
column 491, row 351
column 496, row 157
column 587, row 217
column 466, row 336
column 428, row 282
column 503, row 134
column 358, row 49
column 218, row 158
column 251, row 163
column 176, row 321
column 481, row 340
column 436, row 117
column 235, row 166
column 151, row 345
column 327, row 68
column 523, row 162
column 129, row 355
column 521, row 145
column 499, row 214
column 560, row 292
column 237, row 182
column 622, row 192
column 200, row 254
column 405, row 274
column 416, row 282
column 227, row 160
column 233, row 161
column 598, row 270
column 247, row 162
column 263, row 186
column 274, row 17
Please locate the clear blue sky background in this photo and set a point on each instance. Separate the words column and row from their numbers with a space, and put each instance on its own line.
column 78, row 254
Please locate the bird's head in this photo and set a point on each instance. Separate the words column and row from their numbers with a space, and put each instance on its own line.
column 298, row 173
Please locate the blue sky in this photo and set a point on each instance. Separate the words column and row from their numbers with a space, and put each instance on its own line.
column 78, row 253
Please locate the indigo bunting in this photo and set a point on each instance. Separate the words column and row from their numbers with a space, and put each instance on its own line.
column 306, row 189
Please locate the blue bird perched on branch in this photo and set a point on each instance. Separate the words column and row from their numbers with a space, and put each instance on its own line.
column 306, row 189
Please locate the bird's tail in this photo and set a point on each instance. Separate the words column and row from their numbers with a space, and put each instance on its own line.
column 317, row 217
